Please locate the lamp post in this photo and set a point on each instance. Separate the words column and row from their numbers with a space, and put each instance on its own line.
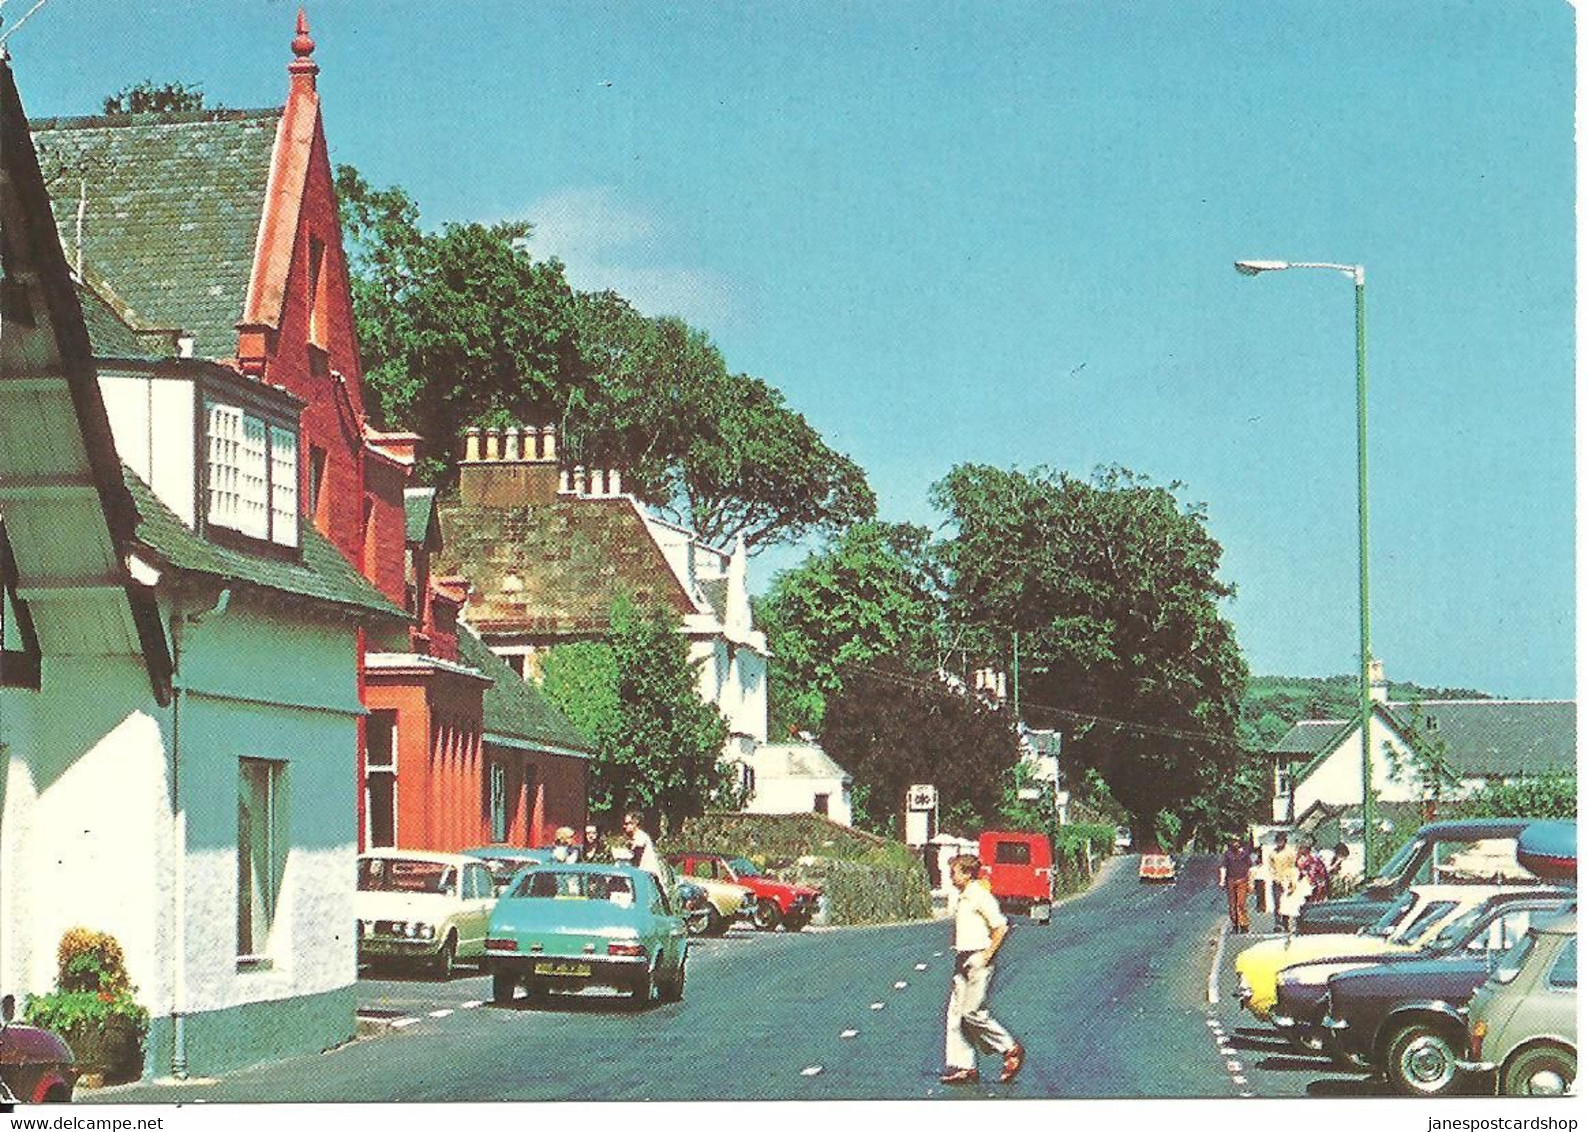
column 1358, row 277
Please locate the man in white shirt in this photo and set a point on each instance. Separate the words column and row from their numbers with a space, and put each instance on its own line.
column 979, row 931
column 641, row 846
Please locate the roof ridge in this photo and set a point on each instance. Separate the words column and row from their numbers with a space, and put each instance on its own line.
column 154, row 118
column 1496, row 701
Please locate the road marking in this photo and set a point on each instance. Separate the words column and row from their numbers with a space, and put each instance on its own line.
column 810, row 1070
column 1233, row 1066
column 399, row 1023
column 1239, row 1080
column 1218, row 961
column 439, row 1013
column 472, row 1004
column 1248, row 1094
column 900, row 985
column 848, row 1033
column 920, row 966
column 876, row 1006
column 937, row 955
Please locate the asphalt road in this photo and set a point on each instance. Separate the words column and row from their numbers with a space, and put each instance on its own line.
column 1110, row 1000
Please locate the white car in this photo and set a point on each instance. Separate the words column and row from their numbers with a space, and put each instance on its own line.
column 418, row 909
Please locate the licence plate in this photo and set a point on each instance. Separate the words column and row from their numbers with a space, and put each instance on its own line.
column 565, row 969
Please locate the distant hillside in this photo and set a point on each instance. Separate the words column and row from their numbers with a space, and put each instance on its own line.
column 1273, row 703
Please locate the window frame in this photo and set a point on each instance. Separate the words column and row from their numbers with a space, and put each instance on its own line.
column 253, row 941
column 265, row 450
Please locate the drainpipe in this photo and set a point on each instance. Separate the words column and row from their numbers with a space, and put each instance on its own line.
column 179, row 839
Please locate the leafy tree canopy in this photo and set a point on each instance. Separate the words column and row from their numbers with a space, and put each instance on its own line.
column 634, row 694
column 147, row 97
column 870, row 593
column 1112, row 583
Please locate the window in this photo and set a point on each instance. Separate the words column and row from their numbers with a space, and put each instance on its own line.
column 1282, row 782
column 317, row 317
column 819, row 806
column 1012, row 853
column 252, row 471
column 316, row 483
column 261, row 852
column 380, row 780
column 498, row 787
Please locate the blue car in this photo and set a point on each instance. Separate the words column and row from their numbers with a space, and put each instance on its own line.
column 564, row 927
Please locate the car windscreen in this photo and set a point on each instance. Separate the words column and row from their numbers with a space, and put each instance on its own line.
column 742, row 867
column 1385, row 924
column 1396, row 865
column 1458, row 929
column 1426, row 918
column 388, row 874
column 1012, row 853
column 543, row 884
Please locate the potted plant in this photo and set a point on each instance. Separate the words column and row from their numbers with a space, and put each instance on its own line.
column 93, row 1007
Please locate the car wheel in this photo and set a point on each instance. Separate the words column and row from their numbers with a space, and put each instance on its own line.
column 1421, row 1062
column 767, row 915
column 795, row 923
column 674, row 988
column 503, row 987
column 1543, row 1071
column 1041, row 913
column 716, row 923
column 446, row 959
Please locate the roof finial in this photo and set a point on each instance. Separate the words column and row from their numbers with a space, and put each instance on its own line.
column 302, row 45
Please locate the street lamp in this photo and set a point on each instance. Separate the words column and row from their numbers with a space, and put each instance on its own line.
column 1357, row 276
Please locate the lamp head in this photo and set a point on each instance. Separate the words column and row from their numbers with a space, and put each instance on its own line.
column 1258, row 266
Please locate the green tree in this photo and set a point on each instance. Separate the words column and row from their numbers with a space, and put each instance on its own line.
column 657, row 744
column 148, row 97
column 457, row 327
column 1546, row 796
column 1113, row 585
column 869, row 593
column 891, row 729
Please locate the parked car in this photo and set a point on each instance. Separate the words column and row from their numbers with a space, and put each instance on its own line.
column 726, row 903
column 776, row 902
column 1122, row 839
column 1156, row 867
column 567, row 927
column 1522, row 1023
column 505, row 860
column 1468, row 851
column 36, row 1065
column 1301, row 985
column 1416, row 913
column 1019, row 870
column 424, row 910
column 1548, row 850
column 1402, row 1016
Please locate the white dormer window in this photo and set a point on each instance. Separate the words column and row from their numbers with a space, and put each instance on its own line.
column 252, row 476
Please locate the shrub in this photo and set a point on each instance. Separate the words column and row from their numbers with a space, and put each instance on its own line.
column 93, row 1006
column 877, row 891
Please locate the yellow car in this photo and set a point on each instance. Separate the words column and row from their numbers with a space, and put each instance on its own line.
column 1418, row 913
column 725, row 903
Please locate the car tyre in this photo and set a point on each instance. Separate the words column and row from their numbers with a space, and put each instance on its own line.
column 641, row 988
column 673, row 989
column 1543, row 1071
column 1042, row 913
column 503, row 987
column 767, row 915
column 1422, row 1062
column 795, row 922
column 446, row 959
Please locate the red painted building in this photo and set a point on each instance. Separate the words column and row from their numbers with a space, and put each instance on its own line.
column 448, row 759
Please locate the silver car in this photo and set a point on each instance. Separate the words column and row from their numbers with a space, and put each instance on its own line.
column 1522, row 1023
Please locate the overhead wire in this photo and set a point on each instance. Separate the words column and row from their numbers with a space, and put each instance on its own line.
column 14, row 28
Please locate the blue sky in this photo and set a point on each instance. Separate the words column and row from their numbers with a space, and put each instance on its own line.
column 1003, row 233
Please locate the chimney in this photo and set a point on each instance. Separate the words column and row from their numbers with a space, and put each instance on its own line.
column 1378, row 687
column 511, row 467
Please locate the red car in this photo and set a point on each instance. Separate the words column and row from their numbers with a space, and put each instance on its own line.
column 776, row 902
column 35, row 1065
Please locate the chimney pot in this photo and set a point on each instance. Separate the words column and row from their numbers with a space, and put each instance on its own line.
column 471, row 444
column 493, row 444
column 549, row 444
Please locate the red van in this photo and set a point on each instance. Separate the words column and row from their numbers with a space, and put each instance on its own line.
column 1019, row 869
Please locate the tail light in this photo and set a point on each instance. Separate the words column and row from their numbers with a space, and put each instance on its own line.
column 1475, row 1037
column 633, row 950
column 501, row 945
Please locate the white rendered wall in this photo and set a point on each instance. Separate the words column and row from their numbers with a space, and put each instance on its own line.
column 1338, row 779
column 156, row 434
column 798, row 796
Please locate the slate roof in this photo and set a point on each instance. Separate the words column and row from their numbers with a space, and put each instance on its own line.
column 419, row 507
column 554, row 569
column 1485, row 738
column 107, row 333
column 516, row 708
column 795, row 760
column 173, row 204
column 320, row 573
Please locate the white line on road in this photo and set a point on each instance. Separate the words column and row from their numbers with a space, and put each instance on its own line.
column 810, row 1070
column 920, row 966
column 399, row 1023
column 900, row 985
column 876, row 1006
column 472, row 1005
column 1239, row 1080
column 848, row 1033
column 1218, row 961
column 440, row 1013
column 1233, row 1066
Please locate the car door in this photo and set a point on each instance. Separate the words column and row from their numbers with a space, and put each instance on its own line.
column 670, row 926
column 478, row 897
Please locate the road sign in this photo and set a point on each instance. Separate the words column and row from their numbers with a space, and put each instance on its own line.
column 922, row 797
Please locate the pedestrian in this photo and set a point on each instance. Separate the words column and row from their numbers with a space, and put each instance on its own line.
column 1235, row 878
column 1282, row 877
column 594, row 849
column 642, row 850
column 979, row 931
column 1314, row 874
column 563, row 847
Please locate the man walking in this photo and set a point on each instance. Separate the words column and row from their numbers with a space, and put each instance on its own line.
column 979, row 931
column 1282, row 879
column 1235, row 878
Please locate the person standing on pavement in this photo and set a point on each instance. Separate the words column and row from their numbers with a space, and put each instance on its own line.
column 641, row 847
column 1235, row 878
column 594, row 848
column 1282, row 877
column 979, row 931
column 563, row 847
column 1314, row 874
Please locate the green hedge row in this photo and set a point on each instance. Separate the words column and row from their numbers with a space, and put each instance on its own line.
column 866, row 892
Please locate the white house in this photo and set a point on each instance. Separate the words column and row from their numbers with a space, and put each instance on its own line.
column 798, row 778
column 179, row 703
column 1320, row 761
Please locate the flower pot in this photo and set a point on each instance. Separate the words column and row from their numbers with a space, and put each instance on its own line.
column 112, row 1048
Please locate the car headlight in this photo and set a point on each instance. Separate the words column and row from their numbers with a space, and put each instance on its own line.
column 424, row 931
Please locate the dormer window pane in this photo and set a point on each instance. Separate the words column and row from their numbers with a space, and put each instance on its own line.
column 283, row 487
